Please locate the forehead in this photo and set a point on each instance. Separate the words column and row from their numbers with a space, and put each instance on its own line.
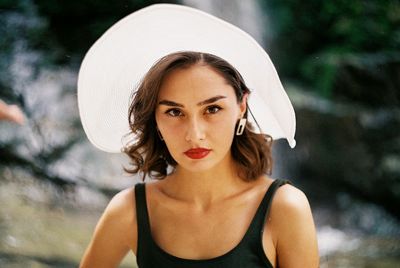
column 196, row 82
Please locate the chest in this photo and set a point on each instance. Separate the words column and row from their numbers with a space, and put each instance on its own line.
column 191, row 233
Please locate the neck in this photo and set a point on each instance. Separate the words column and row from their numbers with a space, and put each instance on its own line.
column 202, row 189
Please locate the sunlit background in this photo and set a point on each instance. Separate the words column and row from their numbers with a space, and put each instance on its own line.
column 339, row 62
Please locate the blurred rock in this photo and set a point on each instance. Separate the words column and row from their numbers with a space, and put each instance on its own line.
column 347, row 147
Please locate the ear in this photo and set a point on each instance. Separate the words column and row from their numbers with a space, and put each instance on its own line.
column 243, row 104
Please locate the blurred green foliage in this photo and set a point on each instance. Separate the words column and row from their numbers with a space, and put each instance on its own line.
column 72, row 26
column 77, row 24
column 313, row 38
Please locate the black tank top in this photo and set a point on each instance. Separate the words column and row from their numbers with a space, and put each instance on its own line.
column 248, row 253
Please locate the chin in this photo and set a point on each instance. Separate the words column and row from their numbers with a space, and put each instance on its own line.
column 196, row 166
column 199, row 165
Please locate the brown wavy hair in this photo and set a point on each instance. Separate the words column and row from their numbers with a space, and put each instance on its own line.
column 149, row 154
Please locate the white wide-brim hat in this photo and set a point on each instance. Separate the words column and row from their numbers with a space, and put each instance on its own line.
column 115, row 64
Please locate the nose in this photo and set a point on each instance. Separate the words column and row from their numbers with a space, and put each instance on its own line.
column 195, row 130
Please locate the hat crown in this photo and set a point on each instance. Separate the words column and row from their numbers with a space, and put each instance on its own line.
column 118, row 60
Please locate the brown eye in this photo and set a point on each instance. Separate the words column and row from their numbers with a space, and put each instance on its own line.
column 174, row 112
column 213, row 109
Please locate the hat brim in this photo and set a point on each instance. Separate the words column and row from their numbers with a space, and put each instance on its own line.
column 119, row 59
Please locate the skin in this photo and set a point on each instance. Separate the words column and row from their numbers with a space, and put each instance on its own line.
column 203, row 209
column 11, row 113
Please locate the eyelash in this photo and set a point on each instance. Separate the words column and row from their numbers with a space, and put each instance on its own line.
column 171, row 111
column 213, row 107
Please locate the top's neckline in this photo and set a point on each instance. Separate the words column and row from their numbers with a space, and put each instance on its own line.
column 262, row 208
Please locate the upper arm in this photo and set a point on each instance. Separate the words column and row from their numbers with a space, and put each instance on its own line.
column 294, row 229
column 115, row 233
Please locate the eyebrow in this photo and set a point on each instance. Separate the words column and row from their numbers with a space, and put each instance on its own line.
column 204, row 102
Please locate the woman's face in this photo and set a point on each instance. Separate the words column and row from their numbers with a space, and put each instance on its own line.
column 196, row 115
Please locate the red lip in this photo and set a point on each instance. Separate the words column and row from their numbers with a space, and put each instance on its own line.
column 197, row 153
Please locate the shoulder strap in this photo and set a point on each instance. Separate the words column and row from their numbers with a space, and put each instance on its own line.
column 253, row 238
column 258, row 222
column 267, row 200
column 142, row 219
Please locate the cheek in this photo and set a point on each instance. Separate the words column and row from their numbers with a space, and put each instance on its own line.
column 172, row 131
column 221, row 129
column 223, row 125
column 227, row 120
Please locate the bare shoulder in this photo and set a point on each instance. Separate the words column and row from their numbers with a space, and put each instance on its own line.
column 121, row 214
column 287, row 196
column 115, row 233
column 122, row 204
column 292, row 227
column 290, row 208
column 290, row 199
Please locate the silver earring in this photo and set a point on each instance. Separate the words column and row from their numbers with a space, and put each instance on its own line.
column 241, row 126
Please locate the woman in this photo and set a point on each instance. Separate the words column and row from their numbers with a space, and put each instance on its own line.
column 187, row 109
column 213, row 205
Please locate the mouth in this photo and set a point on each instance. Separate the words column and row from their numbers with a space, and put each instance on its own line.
column 197, row 153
